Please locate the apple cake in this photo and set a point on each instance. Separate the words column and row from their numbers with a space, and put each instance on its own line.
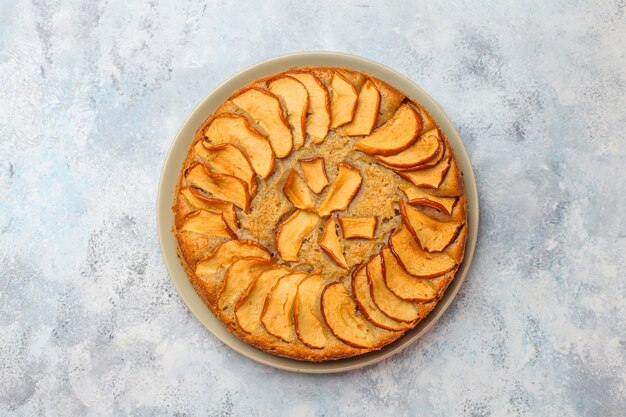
column 320, row 213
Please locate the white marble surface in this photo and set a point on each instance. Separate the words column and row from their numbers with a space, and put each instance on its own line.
column 92, row 96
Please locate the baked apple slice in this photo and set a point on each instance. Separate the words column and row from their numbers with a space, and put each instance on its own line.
column 366, row 112
column 329, row 242
column 237, row 279
column 355, row 78
column 418, row 197
column 367, row 307
column 457, row 249
column 265, row 109
column 429, row 122
column 318, row 119
column 416, row 261
column 292, row 232
column 307, row 313
column 297, row 192
column 222, row 186
column 199, row 201
column 391, row 305
column 403, row 284
column 277, row 315
column 358, row 227
column 390, row 100
column 234, row 128
column 314, row 173
column 459, row 211
column 428, row 178
column 452, row 184
column 342, row 190
column 226, row 253
column 343, row 100
column 207, row 223
column 439, row 155
column 437, row 158
column 249, row 307
column 432, row 234
column 422, row 150
column 394, row 136
column 227, row 159
column 340, row 314
column 296, row 100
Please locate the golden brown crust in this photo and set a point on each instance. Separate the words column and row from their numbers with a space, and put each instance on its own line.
column 194, row 247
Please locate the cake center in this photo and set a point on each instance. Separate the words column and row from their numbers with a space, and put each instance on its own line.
column 324, row 202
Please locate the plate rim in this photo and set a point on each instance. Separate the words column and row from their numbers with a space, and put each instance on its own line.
column 178, row 150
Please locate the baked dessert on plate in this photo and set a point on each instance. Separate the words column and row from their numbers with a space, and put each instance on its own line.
column 320, row 213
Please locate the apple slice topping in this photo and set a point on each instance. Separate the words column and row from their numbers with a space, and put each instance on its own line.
column 457, row 249
column 459, row 212
column 439, row 155
column 342, row 190
column 235, row 129
column 197, row 200
column 432, row 234
column 237, row 278
column 292, row 232
column 403, row 284
column 249, row 307
column 265, row 109
column 394, row 136
column 366, row 112
column 358, row 227
column 223, row 186
column 318, row 119
column 452, row 184
column 277, row 315
column 296, row 100
column 340, row 314
column 428, row 178
column 207, row 223
column 314, row 173
column 227, row 159
column 429, row 123
column 436, row 159
column 418, row 197
column 329, row 242
column 307, row 312
column 422, row 150
column 356, row 78
column 416, row 261
column 385, row 300
column 226, row 253
column 342, row 101
column 297, row 192
column 390, row 100
column 367, row 307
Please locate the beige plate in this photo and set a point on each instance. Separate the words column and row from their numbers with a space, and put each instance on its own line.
column 176, row 156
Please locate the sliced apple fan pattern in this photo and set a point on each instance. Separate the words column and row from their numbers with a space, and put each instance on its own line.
column 264, row 298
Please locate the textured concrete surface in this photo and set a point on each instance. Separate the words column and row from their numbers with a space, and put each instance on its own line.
column 91, row 97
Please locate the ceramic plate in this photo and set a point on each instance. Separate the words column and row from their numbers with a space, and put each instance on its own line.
column 176, row 156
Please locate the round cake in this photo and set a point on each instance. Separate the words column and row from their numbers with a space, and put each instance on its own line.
column 320, row 213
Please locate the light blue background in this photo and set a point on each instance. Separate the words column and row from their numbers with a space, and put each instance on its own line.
column 91, row 96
